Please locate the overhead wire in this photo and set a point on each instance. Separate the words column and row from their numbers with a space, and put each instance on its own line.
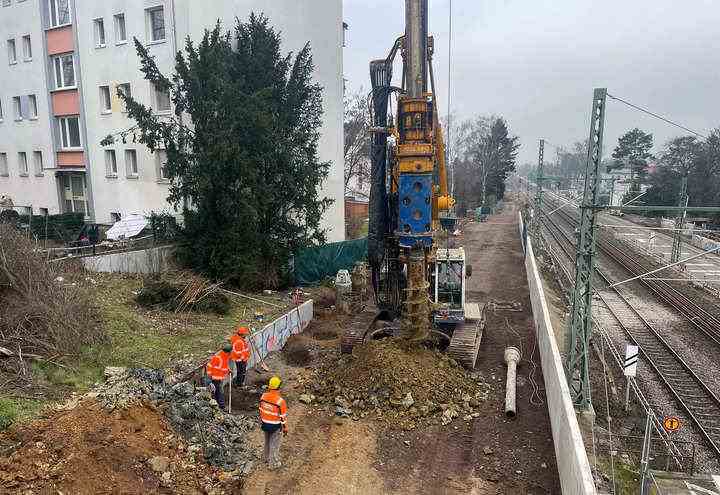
column 660, row 117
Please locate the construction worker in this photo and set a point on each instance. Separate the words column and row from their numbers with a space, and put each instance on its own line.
column 218, row 370
column 273, row 421
column 240, row 355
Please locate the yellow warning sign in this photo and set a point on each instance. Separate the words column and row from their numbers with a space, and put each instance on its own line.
column 671, row 423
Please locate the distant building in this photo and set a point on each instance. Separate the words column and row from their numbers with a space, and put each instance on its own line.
column 66, row 60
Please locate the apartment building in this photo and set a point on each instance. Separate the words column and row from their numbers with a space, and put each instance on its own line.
column 82, row 53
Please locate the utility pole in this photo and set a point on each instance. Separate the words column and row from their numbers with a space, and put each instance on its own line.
column 579, row 329
column 539, row 190
column 679, row 220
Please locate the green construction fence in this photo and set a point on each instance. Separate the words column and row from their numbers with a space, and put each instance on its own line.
column 313, row 265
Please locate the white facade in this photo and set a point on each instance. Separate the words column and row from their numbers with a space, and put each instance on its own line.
column 120, row 192
column 101, row 67
column 32, row 135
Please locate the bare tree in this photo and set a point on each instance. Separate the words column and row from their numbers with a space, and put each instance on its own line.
column 357, row 140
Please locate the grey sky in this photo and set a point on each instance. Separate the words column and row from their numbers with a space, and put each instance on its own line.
column 536, row 62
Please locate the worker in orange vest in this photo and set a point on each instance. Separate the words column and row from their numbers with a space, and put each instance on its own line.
column 240, row 355
column 273, row 421
column 218, row 369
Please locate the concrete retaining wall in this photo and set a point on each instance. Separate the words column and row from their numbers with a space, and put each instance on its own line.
column 152, row 260
column 572, row 461
column 274, row 335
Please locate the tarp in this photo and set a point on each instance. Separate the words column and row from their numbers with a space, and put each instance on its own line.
column 313, row 265
column 129, row 226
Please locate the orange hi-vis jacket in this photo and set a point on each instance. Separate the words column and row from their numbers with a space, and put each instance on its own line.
column 241, row 349
column 217, row 367
column 273, row 409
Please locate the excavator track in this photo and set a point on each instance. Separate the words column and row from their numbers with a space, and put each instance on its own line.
column 466, row 338
column 358, row 329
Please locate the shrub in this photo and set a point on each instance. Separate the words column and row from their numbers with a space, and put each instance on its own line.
column 46, row 307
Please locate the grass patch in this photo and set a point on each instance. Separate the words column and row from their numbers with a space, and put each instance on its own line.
column 627, row 479
column 14, row 409
column 148, row 338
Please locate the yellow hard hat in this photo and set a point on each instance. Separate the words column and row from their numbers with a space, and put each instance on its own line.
column 274, row 383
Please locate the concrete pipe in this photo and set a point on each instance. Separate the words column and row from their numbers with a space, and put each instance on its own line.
column 512, row 358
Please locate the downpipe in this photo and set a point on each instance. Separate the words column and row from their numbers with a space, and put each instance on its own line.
column 512, row 358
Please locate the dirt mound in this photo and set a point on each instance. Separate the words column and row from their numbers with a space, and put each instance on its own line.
column 403, row 385
column 90, row 450
column 297, row 351
column 192, row 413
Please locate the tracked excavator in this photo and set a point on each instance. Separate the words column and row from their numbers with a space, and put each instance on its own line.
column 418, row 276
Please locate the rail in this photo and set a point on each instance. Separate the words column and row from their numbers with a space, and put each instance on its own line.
column 693, row 395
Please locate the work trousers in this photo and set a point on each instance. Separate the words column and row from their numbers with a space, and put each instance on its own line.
column 218, row 395
column 240, row 367
column 272, row 447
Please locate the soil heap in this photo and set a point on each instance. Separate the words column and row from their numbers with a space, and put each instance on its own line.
column 135, row 433
column 87, row 450
column 403, row 385
column 191, row 412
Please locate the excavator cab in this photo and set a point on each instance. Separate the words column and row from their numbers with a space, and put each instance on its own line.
column 449, row 286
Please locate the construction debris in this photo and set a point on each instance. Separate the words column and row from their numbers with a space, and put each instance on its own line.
column 190, row 410
column 401, row 385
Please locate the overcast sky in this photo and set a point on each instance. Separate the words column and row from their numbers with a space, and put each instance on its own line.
column 536, row 62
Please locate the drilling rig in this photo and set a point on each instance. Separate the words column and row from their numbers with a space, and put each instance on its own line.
column 418, row 279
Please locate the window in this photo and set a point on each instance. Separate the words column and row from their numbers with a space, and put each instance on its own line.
column 125, row 90
column 12, row 53
column 44, row 212
column 32, row 104
column 131, row 166
column 59, row 12
column 64, row 71
column 105, row 103
column 38, row 162
column 27, row 48
column 120, row 32
column 99, row 33
column 156, row 23
column 22, row 163
column 70, row 132
column 161, row 159
column 17, row 107
column 4, row 172
column 162, row 100
column 1, row 111
column 110, row 163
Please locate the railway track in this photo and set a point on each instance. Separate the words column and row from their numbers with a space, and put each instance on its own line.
column 700, row 403
column 704, row 321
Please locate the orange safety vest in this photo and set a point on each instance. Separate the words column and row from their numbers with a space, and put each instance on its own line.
column 241, row 349
column 217, row 367
column 273, row 409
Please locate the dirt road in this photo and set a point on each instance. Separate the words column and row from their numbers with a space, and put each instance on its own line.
column 489, row 455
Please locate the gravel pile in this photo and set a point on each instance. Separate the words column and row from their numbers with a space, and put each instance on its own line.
column 191, row 412
column 401, row 385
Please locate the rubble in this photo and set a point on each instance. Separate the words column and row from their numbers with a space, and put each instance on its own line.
column 401, row 385
column 190, row 410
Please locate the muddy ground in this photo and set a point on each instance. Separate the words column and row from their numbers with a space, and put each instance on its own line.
column 488, row 455
column 85, row 450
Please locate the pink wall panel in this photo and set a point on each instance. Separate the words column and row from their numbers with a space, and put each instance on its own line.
column 71, row 159
column 60, row 40
column 66, row 102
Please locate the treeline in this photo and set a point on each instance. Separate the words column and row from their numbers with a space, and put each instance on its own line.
column 659, row 175
column 483, row 156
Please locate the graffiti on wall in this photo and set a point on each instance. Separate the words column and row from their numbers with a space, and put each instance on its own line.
column 274, row 335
